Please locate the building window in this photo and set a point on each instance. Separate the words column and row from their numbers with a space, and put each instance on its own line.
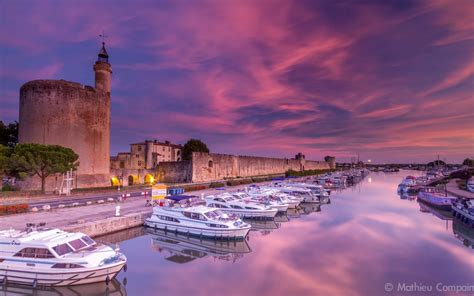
column 139, row 163
column 137, row 156
column 211, row 164
column 122, row 164
column 163, row 148
column 139, row 148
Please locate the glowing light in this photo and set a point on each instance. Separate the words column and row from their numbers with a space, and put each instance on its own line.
column 369, row 179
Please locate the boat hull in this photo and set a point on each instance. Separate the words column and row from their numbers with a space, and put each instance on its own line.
column 435, row 200
column 214, row 233
column 311, row 199
column 249, row 214
column 463, row 215
column 58, row 277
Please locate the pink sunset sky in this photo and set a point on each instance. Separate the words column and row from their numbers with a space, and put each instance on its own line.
column 391, row 80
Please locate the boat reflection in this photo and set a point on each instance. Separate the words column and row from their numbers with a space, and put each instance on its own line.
column 181, row 249
column 308, row 208
column 281, row 217
column 407, row 195
column 115, row 288
column 265, row 227
column 441, row 214
column 294, row 213
column 464, row 233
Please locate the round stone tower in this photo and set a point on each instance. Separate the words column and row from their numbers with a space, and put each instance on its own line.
column 103, row 71
column 72, row 115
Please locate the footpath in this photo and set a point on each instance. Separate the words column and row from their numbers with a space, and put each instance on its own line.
column 452, row 188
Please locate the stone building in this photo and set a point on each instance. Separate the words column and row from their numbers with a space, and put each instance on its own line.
column 147, row 155
column 72, row 115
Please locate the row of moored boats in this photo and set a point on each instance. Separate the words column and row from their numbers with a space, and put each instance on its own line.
column 39, row 256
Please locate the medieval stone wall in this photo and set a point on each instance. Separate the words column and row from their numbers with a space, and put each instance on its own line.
column 210, row 166
column 174, row 172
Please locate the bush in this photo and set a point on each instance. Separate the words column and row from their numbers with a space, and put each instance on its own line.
column 238, row 182
column 291, row 173
column 13, row 209
column 9, row 187
column 194, row 188
column 216, row 185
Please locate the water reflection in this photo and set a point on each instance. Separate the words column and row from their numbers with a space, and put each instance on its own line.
column 181, row 249
column 263, row 226
column 464, row 233
column 308, row 208
column 439, row 213
column 115, row 288
column 366, row 237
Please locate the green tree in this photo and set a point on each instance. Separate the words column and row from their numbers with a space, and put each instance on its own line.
column 5, row 153
column 193, row 145
column 468, row 162
column 9, row 134
column 42, row 160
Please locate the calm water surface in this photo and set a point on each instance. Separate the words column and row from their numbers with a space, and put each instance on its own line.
column 366, row 237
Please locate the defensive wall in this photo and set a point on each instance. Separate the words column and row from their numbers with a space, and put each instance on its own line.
column 208, row 167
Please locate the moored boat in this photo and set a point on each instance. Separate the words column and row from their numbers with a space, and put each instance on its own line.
column 464, row 211
column 240, row 207
column 51, row 257
column 435, row 198
column 188, row 215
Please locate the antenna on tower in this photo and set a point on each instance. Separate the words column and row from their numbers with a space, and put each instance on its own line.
column 103, row 36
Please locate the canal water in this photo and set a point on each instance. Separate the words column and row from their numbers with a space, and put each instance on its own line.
column 367, row 241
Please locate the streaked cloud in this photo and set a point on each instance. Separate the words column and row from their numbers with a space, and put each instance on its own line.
column 391, row 80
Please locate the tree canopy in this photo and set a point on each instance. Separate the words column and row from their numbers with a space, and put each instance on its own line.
column 9, row 134
column 5, row 153
column 193, row 145
column 42, row 160
column 468, row 162
column 436, row 163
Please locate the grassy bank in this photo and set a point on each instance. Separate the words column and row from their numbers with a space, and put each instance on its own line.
column 291, row 173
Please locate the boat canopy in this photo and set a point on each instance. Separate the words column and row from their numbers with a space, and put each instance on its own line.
column 180, row 197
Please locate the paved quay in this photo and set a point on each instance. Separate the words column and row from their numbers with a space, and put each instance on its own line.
column 452, row 188
column 71, row 218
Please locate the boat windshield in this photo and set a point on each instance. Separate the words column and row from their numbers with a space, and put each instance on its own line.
column 214, row 215
column 62, row 249
column 77, row 244
column 89, row 241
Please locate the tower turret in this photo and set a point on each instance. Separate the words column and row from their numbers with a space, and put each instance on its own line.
column 103, row 70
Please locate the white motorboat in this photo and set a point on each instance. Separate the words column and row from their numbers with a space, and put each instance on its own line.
column 240, row 207
column 315, row 188
column 464, row 210
column 271, row 198
column 307, row 194
column 52, row 257
column 408, row 184
column 188, row 215
column 470, row 185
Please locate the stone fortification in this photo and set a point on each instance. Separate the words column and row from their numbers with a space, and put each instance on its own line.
column 211, row 166
column 71, row 115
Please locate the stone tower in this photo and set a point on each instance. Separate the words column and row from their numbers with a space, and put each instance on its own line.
column 103, row 71
column 59, row 112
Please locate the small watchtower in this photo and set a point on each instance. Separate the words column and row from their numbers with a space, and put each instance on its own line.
column 103, row 70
